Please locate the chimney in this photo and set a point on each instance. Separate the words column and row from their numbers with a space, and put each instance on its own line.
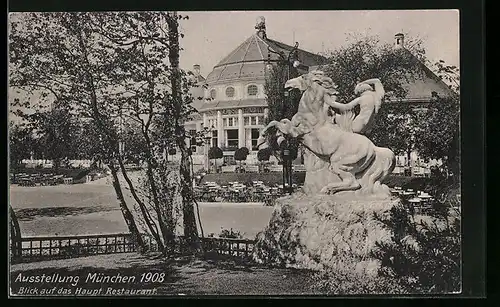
column 399, row 40
column 260, row 26
column 196, row 69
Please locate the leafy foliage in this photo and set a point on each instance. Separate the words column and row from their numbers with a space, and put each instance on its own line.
column 57, row 134
column 109, row 68
column 396, row 127
column 439, row 135
column 21, row 143
column 281, row 106
column 241, row 154
column 264, row 154
column 228, row 233
column 215, row 153
column 281, row 103
column 425, row 256
column 449, row 74
column 365, row 58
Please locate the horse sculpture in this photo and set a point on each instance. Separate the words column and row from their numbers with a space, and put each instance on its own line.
column 354, row 161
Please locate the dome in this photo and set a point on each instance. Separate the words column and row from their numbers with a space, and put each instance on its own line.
column 248, row 61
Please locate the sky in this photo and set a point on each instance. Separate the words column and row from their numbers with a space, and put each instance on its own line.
column 210, row 36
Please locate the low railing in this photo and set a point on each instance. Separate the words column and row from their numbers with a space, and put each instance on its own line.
column 63, row 247
column 55, row 247
column 228, row 247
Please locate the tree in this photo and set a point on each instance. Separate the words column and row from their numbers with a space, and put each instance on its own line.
column 365, row 58
column 69, row 59
column 241, row 154
column 15, row 234
column 57, row 134
column 448, row 73
column 215, row 153
column 21, row 144
column 396, row 127
column 439, row 137
column 181, row 109
column 281, row 103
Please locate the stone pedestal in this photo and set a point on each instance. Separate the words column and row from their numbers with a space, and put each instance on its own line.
column 326, row 232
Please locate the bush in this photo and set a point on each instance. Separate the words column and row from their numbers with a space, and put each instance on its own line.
column 425, row 257
column 228, row 233
column 215, row 153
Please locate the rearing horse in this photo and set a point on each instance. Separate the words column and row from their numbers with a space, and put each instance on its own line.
column 359, row 164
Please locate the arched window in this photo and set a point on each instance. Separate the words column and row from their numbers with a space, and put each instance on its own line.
column 230, row 92
column 252, row 90
column 213, row 93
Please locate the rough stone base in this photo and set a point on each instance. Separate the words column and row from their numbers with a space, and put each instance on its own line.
column 326, row 232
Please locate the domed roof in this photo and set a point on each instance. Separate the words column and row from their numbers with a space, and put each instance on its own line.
column 249, row 59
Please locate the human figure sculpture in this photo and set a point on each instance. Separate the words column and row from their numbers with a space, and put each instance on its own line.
column 369, row 101
column 358, row 163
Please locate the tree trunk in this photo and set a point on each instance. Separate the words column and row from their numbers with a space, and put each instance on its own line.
column 142, row 207
column 189, row 218
column 408, row 154
column 127, row 215
column 15, row 235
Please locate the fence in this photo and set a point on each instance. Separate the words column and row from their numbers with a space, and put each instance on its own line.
column 238, row 248
column 57, row 247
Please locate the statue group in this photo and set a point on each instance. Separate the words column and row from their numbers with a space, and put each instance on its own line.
column 338, row 156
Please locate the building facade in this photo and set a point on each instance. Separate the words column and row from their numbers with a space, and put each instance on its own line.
column 233, row 105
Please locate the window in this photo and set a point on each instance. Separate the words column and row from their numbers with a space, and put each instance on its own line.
column 247, row 120
column 214, row 139
column 192, row 132
column 230, row 92
column 232, row 138
column 255, row 137
column 253, row 120
column 261, row 120
column 252, row 90
column 230, row 122
column 213, row 93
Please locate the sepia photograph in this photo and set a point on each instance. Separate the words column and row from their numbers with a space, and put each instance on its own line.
column 234, row 153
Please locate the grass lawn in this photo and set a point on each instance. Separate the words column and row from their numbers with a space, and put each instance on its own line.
column 180, row 276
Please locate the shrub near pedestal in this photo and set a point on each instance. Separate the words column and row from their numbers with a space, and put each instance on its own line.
column 328, row 233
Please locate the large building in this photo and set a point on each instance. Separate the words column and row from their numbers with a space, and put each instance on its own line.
column 233, row 104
